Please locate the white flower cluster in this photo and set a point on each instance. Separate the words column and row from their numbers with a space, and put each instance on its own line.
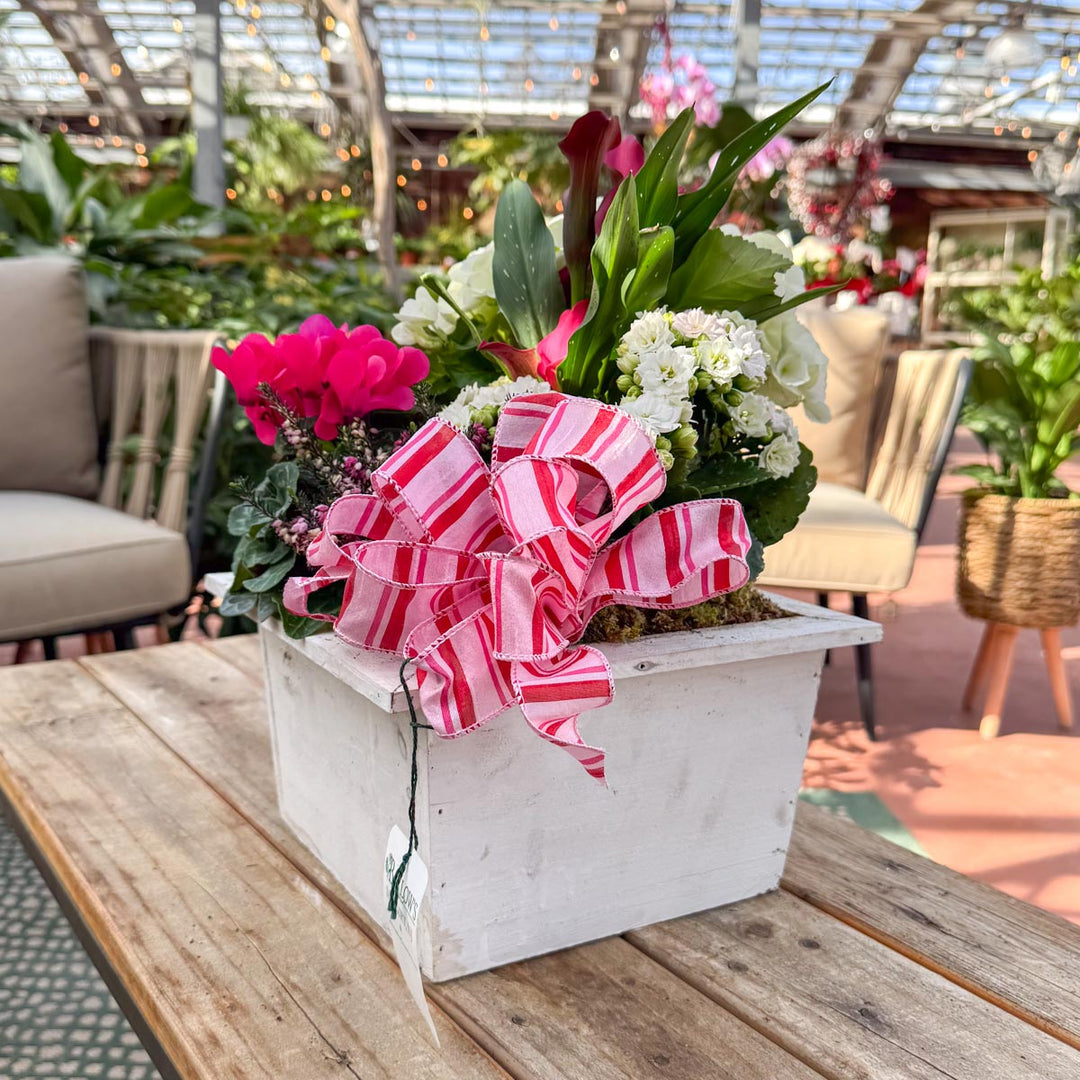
column 667, row 358
column 426, row 318
column 481, row 404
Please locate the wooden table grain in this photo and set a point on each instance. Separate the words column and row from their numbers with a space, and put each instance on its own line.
column 143, row 784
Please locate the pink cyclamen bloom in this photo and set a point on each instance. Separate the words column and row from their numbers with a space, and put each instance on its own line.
column 324, row 371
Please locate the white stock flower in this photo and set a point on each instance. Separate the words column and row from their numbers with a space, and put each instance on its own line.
column 648, row 332
column 471, row 279
column 658, row 413
column 695, row 323
column 789, row 283
column 780, row 457
column 422, row 319
column 751, row 415
column 674, row 365
column 797, row 366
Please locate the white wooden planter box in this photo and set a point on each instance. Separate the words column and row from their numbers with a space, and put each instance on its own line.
column 705, row 743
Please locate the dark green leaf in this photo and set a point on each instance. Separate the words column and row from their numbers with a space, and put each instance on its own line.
column 237, row 603
column 773, row 508
column 768, row 307
column 273, row 575
column 698, row 209
column 278, row 488
column 724, row 273
column 526, row 280
column 244, row 517
column 727, row 473
column 658, row 180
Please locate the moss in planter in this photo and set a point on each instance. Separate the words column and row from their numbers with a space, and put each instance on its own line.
column 623, row 623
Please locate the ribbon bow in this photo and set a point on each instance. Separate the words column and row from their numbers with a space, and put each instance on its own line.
column 488, row 578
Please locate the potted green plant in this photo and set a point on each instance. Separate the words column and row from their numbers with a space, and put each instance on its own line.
column 1020, row 527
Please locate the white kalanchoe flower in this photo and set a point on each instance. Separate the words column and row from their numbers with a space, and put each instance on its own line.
column 780, row 457
column 471, row 279
column 789, row 283
column 658, row 413
column 672, row 366
column 695, row 323
column 745, row 344
column 422, row 319
column 459, row 412
column 718, row 359
column 751, row 415
column 650, row 331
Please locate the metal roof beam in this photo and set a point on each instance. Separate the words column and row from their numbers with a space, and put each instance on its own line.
column 84, row 37
column 622, row 48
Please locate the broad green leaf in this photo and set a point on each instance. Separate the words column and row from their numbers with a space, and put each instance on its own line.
column 237, row 603
column 297, row 626
column 727, row 473
column 723, row 273
column 658, row 180
column 698, row 209
column 526, row 279
column 30, row 211
column 773, row 508
column 38, row 174
column 768, row 307
column 273, row 575
column 69, row 165
column 164, row 206
column 243, row 517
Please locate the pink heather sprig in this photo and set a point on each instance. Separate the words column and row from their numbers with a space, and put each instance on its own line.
column 325, row 373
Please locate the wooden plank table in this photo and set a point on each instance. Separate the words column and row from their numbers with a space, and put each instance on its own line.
column 143, row 783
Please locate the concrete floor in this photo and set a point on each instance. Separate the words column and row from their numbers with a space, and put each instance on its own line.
column 1007, row 811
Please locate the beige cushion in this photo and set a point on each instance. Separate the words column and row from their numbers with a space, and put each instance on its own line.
column 48, row 433
column 844, row 541
column 69, row 564
column 854, row 341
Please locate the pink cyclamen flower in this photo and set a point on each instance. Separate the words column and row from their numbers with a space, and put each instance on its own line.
column 324, row 371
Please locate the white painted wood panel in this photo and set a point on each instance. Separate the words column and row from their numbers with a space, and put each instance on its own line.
column 527, row 854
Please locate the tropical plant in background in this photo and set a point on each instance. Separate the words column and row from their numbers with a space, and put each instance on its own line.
column 643, row 304
column 1024, row 401
column 501, row 157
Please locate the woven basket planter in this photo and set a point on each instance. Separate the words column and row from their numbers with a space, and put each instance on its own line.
column 1020, row 560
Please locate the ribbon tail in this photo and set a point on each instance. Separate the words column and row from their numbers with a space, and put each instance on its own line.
column 297, row 590
column 553, row 693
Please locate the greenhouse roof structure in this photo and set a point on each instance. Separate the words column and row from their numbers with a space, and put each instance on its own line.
column 123, row 68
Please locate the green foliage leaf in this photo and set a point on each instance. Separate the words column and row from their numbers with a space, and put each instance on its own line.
column 768, row 307
column 273, row 575
column 658, row 179
column 244, row 517
column 277, row 490
column 237, row 603
column 526, row 280
column 773, row 508
column 723, row 273
column 724, row 474
column 697, row 210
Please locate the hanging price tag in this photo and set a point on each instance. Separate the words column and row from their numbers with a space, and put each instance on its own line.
column 403, row 928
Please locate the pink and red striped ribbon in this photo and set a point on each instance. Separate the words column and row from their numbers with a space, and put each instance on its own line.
column 488, row 578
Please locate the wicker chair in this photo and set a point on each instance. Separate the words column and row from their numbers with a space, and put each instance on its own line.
column 862, row 541
column 75, row 565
